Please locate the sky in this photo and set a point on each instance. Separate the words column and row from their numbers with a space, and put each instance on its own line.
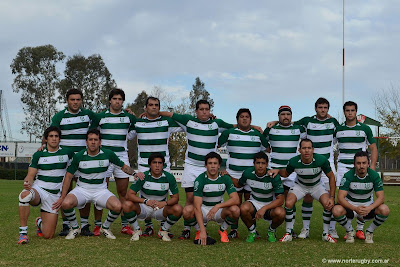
column 254, row 54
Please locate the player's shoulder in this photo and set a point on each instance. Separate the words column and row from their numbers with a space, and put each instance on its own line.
column 350, row 174
column 294, row 160
column 168, row 175
column 373, row 174
column 320, row 158
column 248, row 172
column 60, row 114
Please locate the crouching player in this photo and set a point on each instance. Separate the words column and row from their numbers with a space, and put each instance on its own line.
column 262, row 203
column 92, row 164
column 355, row 198
column 153, row 201
column 49, row 166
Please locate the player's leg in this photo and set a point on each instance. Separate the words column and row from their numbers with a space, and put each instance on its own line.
column 105, row 199
column 72, row 200
column 380, row 215
column 247, row 213
column 288, row 183
column 84, row 214
column 229, row 215
column 122, row 184
column 170, row 216
column 326, row 214
column 344, row 218
column 26, row 198
column 132, row 211
column 295, row 193
column 306, row 212
column 65, row 224
column 98, row 214
column 47, row 223
column 190, row 221
column 277, row 216
column 325, row 183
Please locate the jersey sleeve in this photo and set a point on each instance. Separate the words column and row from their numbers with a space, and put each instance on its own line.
column 73, row 167
column 303, row 133
column 95, row 121
column 345, row 182
column 223, row 138
column 302, row 122
column 264, row 142
column 137, row 185
column 266, row 133
column 326, row 166
column 230, row 187
column 35, row 160
column 181, row 118
column 173, row 186
column 243, row 179
column 114, row 159
column 173, row 127
column 132, row 119
column 378, row 184
column 370, row 136
column 290, row 167
column 222, row 125
column 277, row 185
column 56, row 120
column 198, row 187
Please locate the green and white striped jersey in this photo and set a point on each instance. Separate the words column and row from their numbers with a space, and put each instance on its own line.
column 263, row 188
column 93, row 169
column 156, row 188
column 360, row 189
column 74, row 127
column 212, row 190
column 114, row 129
column 202, row 136
column 153, row 136
column 51, row 168
column 309, row 174
column 351, row 140
column 284, row 142
column 321, row 133
column 242, row 146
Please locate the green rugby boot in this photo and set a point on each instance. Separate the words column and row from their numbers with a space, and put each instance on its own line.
column 251, row 237
column 271, row 236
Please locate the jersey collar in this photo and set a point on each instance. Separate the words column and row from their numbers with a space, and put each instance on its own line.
column 108, row 111
column 67, row 111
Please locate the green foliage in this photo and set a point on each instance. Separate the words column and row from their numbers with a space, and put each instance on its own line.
column 9, row 174
column 138, row 105
column 387, row 105
column 198, row 93
column 37, row 78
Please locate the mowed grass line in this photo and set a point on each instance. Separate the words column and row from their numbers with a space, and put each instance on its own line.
column 96, row 251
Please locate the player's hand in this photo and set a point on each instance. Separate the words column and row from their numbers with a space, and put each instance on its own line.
column 143, row 114
column 258, row 128
column 330, row 204
column 151, row 203
column 160, row 204
column 203, row 238
column 139, row 175
column 211, row 213
column 41, row 147
column 364, row 211
column 27, row 185
column 223, row 172
column 259, row 214
column 273, row 172
column 212, row 116
column 57, row 205
column 361, row 210
column 130, row 111
column 271, row 124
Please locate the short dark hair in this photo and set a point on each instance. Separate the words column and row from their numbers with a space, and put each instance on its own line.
column 73, row 92
column 152, row 98
column 213, row 155
column 306, row 140
column 349, row 103
column 51, row 129
column 320, row 101
column 361, row 154
column 242, row 110
column 116, row 91
column 93, row 131
column 260, row 155
column 202, row 101
column 156, row 155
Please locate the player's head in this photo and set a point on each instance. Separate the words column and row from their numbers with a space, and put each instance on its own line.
column 152, row 106
column 74, row 100
column 306, row 149
column 203, row 110
column 260, row 163
column 156, row 163
column 350, row 110
column 285, row 115
column 322, row 107
column 52, row 136
column 361, row 163
column 93, row 140
column 243, row 118
column 116, row 98
column 213, row 162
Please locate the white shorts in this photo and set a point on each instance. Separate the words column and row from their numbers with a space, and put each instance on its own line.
column 315, row 191
column 148, row 212
column 325, row 179
column 217, row 216
column 190, row 174
column 257, row 204
column 289, row 181
column 98, row 197
column 116, row 170
column 341, row 170
column 46, row 199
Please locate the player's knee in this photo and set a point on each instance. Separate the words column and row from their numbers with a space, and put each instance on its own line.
column 279, row 212
column 289, row 204
column 116, row 206
column 188, row 212
column 235, row 211
column 25, row 197
column 338, row 210
column 128, row 206
column 308, row 198
column 48, row 235
column 383, row 210
column 245, row 208
column 177, row 210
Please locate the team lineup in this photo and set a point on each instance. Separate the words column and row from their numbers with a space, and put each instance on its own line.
column 90, row 148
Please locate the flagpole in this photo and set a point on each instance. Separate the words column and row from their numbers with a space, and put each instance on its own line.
column 343, row 64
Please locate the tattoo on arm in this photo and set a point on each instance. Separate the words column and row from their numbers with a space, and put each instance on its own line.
column 128, row 170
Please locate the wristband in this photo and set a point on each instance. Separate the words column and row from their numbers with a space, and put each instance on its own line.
column 145, row 201
column 332, row 196
column 133, row 173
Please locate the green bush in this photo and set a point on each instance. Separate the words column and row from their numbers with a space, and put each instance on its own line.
column 9, row 174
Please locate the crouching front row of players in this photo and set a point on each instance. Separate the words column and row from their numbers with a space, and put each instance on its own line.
column 148, row 194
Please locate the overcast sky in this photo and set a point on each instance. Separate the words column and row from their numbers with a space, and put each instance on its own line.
column 255, row 54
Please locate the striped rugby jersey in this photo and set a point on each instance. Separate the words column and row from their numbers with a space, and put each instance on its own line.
column 51, row 168
column 202, row 136
column 212, row 190
column 73, row 127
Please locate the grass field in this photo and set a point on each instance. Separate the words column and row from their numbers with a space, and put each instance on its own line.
column 96, row 251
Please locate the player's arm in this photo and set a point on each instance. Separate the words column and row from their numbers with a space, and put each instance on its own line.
column 282, row 172
column 128, row 170
column 379, row 200
column 341, row 198
column 131, row 195
column 64, row 191
column 165, row 113
column 374, row 155
column 30, row 176
column 277, row 202
column 332, row 185
column 197, row 202
column 236, row 182
column 272, row 124
column 174, row 199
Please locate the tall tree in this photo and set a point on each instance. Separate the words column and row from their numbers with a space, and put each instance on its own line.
column 198, row 93
column 92, row 77
column 37, row 78
column 387, row 105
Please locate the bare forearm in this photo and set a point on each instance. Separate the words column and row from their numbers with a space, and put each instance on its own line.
column 128, row 170
column 165, row 113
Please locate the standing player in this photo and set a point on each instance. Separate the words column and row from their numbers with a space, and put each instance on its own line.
column 48, row 166
column 284, row 140
column 92, row 165
column 355, row 198
column 114, row 125
column 266, row 198
column 209, row 190
column 353, row 136
column 242, row 143
column 308, row 168
column 153, row 201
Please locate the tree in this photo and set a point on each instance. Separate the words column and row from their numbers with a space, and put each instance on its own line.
column 92, row 77
column 198, row 93
column 387, row 105
column 166, row 98
column 177, row 141
column 37, row 78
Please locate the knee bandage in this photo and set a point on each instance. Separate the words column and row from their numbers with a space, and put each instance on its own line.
column 24, row 201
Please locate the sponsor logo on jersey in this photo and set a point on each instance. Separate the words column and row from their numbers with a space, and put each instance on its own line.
column 82, row 118
column 358, row 133
column 315, row 170
column 220, row 187
column 195, row 125
column 60, row 158
column 163, row 186
column 122, row 119
column 292, row 131
column 210, row 127
column 196, row 185
column 101, row 163
column 253, row 138
column 45, row 160
column 159, row 123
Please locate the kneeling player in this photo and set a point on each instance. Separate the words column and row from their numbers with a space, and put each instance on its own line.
column 49, row 165
column 209, row 205
column 355, row 198
column 309, row 167
column 91, row 164
column 154, row 202
column 261, row 203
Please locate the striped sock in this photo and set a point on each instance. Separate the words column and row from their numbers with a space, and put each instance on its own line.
column 71, row 217
column 235, row 226
column 111, row 217
column 65, row 220
column 124, row 221
column 360, row 224
column 270, row 229
column 326, row 217
column 289, row 220
column 131, row 217
column 306, row 212
column 97, row 223
column 23, row 230
column 39, row 224
column 149, row 222
column 228, row 221
column 84, row 221
column 187, row 224
column 378, row 221
column 252, row 228
column 332, row 224
column 171, row 220
column 294, row 215
column 346, row 223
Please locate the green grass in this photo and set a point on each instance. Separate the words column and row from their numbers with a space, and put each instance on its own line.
column 95, row 251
